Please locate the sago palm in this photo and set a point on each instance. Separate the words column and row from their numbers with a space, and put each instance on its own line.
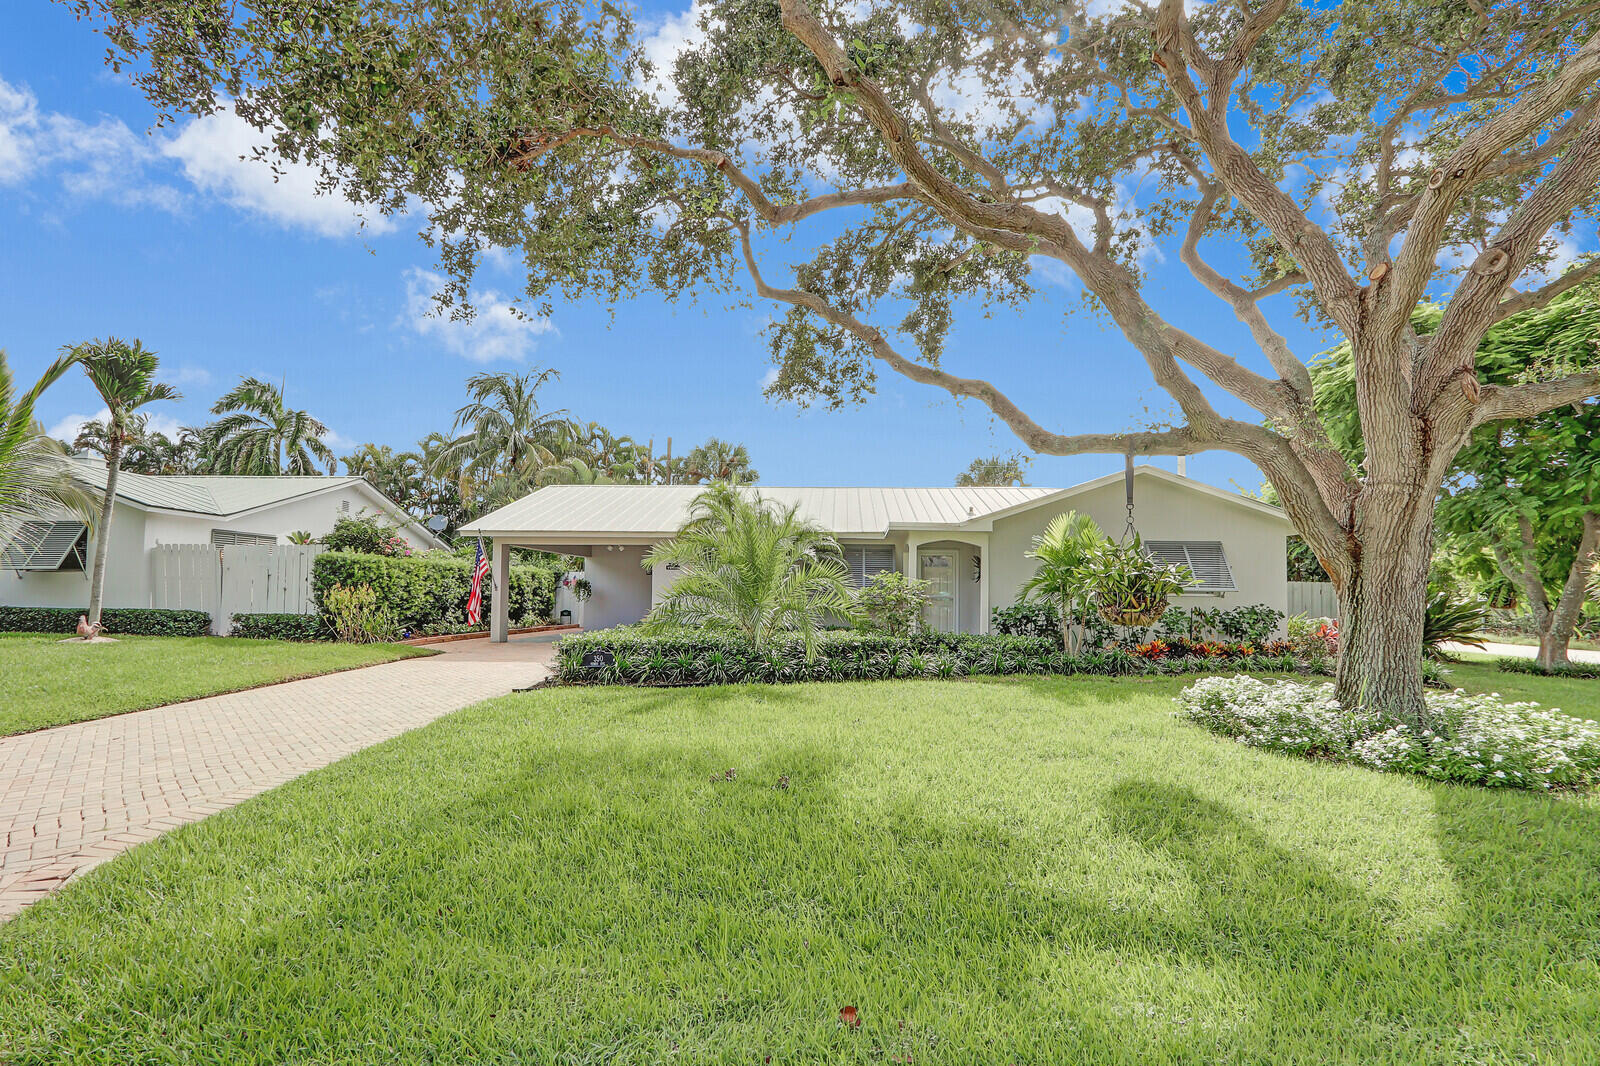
column 751, row 568
column 259, row 434
column 1064, row 553
column 34, row 478
column 124, row 374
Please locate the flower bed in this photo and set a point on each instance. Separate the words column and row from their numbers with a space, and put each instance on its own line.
column 627, row 656
column 1531, row 666
column 1484, row 740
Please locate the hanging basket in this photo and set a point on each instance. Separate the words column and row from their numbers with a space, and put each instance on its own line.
column 1136, row 616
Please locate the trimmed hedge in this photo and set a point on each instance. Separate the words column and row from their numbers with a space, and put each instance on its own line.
column 428, row 592
column 638, row 659
column 1531, row 666
column 127, row 621
column 281, row 627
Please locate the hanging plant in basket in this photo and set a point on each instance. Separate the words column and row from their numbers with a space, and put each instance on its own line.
column 1131, row 588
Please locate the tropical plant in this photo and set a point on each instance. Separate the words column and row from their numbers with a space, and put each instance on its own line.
column 1132, row 587
column 365, row 533
column 259, row 434
column 1008, row 469
column 34, row 477
column 1449, row 621
column 144, row 451
column 357, row 616
column 301, row 536
column 750, row 567
column 398, row 475
column 573, row 470
column 717, row 460
column 892, row 603
column 503, row 437
column 123, row 373
column 1065, row 554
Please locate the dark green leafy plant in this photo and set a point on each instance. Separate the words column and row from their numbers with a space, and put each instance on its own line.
column 1130, row 587
column 892, row 603
column 1451, row 622
column 262, row 626
column 428, row 593
column 132, row 621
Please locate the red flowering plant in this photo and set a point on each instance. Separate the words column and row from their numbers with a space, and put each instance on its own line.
column 1155, row 651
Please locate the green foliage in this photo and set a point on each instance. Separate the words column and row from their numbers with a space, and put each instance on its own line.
column 265, row 626
column 1131, row 587
column 750, row 567
column 1064, row 554
column 1007, row 469
column 33, row 479
column 367, row 533
column 642, row 658
column 1028, row 619
column 1248, row 625
column 259, row 433
column 1448, row 621
column 1513, row 665
column 357, row 615
column 428, row 593
column 892, row 604
column 143, row 621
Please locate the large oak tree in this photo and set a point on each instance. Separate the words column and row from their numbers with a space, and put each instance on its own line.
column 1337, row 151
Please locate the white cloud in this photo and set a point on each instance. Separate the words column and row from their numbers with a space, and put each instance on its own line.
column 216, row 154
column 190, row 375
column 68, row 427
column 104, row 160
column 496, row 331
column 769, row 379
column 664, row 42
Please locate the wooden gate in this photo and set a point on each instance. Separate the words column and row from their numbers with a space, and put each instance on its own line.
column 235, row 579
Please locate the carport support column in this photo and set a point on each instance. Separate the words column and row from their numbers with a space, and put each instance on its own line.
column 500, row 602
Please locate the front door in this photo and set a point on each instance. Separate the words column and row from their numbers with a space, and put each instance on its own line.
column 939, row 570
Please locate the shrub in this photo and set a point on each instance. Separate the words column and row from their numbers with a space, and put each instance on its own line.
column 1449, row 622
column 358, row 616
column 428, row 593
column 891, row 603
column 1531, row 666
column 128, row 621
column 1243, row 625
column 367, row 534
column 1484, row 740
column 1028, row 620
column 1314, row 637
column 281, row 627
column 631, row 656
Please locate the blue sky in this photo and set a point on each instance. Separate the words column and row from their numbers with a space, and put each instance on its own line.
column 106, row 228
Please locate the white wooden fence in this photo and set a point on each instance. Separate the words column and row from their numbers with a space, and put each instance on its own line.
column 236, row 579
column 1314, row 599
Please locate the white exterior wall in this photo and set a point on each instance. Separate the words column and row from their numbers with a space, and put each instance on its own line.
column 1254, row 543
column 127, row 572
column 621, row 587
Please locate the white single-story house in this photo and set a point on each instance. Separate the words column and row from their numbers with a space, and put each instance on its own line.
column 971, row 543
column 47, row 564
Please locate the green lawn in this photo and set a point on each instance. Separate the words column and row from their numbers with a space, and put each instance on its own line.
column 1574, row 695
column 50, row 683
column 1033, row 871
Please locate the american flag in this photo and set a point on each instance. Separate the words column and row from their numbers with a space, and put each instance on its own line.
column 480, row 570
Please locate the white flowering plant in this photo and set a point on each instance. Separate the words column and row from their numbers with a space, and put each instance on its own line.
column 1481, row 739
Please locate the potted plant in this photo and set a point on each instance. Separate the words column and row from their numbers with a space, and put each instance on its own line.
column 1131, row 587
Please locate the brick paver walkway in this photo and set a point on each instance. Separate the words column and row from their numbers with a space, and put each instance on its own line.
column 74, row 796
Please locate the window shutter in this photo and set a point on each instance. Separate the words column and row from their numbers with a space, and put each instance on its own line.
column 865, row 563
column 1204, row 557
column 41, row 545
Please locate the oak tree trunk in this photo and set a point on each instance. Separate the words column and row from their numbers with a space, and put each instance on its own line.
column 1383, row 600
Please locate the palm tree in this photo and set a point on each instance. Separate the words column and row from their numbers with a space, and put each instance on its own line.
column 1065, row 552
column 996, row 470
column 124, row 374
column 752, row 568
column 398, row 475
column 258, row 434
column 718, row 460
column 34, row 479
column 573, row 471
column 503, row 436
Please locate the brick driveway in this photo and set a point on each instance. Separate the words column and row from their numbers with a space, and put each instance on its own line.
column 77, row 795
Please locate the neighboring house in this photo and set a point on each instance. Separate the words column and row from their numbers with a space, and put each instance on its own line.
column 970, row 543
column 47, row 564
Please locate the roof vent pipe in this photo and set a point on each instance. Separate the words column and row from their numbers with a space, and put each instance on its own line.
column 1183, row 461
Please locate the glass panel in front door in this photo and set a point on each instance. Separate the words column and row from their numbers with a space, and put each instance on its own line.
column 939, row 570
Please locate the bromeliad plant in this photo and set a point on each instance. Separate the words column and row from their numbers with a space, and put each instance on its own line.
column 1131, row 587
column 753, row 569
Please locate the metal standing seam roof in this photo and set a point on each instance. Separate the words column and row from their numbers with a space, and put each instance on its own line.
column 661, row 509
column 215, row 495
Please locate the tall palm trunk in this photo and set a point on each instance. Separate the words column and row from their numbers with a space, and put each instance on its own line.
column 102, row 539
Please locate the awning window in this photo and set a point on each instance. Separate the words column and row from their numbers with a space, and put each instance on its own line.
column 1204, row 557
column 42, row 545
